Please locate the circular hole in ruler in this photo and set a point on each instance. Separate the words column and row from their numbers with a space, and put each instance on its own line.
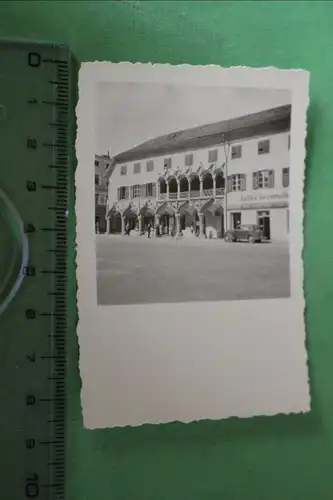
column 13, row 251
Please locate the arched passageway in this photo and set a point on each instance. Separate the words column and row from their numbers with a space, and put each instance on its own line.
column 213, row 219
column 189, row 219
column 115, row 223
column 166, row 220
column 147, row 215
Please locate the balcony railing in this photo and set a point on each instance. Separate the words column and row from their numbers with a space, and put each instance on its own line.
column 185, row 195
column 195, row 194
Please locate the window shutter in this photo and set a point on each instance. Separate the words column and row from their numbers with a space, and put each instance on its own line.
column 243, row 182
column 143, row 190
column 255, row 180
column 285, row 177
column 154, row 190
column 229, row 184
column 271, row 179
column 127, row 193
column 118, row 194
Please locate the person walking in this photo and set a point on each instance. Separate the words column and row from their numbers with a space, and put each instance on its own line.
column 149, row 230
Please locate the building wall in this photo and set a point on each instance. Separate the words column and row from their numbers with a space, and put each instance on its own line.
column 273, row 199
column 249, row 162
column 276, row 160
column 177, row 160
column 246, row 200
column 101, row 190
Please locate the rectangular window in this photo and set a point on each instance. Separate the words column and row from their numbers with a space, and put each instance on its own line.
column 289, row 141
column 96, row 163
column 102, row 199
column 96, row 199
column 236, row 152
column 263, row 147
column 149, row 189
column 150, row 165
column 97, row 182
column 136, row 191
column 285, row 177
column 237, row 182
column 167, row 163
column 136, row 168
column 123, row 170
column 263, row 179
column 212, row 156
column 189, row 160
column 123, row 193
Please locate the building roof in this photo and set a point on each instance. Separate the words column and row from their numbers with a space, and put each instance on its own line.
column 263, row 123
column 103, row 157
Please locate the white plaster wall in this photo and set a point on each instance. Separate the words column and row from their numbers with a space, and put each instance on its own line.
column 279, row 224
column 249, row 217
column 276, row 159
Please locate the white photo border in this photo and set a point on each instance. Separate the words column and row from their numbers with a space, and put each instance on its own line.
column 190, row 361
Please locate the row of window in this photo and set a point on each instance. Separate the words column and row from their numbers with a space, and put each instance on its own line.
column 97, row 164
column 138, row 191
column 236, row 152
column 263, row 179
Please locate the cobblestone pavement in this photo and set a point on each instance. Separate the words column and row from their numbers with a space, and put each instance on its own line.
column 137, row 270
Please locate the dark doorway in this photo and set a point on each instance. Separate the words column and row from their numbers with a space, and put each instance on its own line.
column 236, row 219
column 116, row 223
column 264, row 221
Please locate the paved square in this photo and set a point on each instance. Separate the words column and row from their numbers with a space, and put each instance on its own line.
column 136, row 270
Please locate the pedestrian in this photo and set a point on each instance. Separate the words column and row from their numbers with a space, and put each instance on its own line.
column 127, row 229
column 149, row 230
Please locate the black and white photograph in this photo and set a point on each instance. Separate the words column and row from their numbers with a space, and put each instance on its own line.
column 192, row 193
column 189, row 205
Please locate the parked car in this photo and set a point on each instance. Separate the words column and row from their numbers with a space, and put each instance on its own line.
column 247, row 232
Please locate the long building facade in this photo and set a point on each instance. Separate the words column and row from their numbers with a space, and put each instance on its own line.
column 205, row 180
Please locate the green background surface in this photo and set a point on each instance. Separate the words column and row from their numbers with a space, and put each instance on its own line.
column 277, row 458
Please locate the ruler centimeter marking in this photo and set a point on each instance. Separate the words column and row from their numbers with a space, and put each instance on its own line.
column 42, row 300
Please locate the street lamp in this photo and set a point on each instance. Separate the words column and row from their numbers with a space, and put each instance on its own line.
column 226, row 146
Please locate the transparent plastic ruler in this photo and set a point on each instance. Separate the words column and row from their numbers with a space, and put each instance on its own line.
column 36, row 101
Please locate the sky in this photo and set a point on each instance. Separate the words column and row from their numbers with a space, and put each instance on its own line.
column 128, row 114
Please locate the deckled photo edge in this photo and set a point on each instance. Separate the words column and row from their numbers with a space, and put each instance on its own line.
column 89, row 77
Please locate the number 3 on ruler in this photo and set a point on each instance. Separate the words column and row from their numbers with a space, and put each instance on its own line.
column 31, row 487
